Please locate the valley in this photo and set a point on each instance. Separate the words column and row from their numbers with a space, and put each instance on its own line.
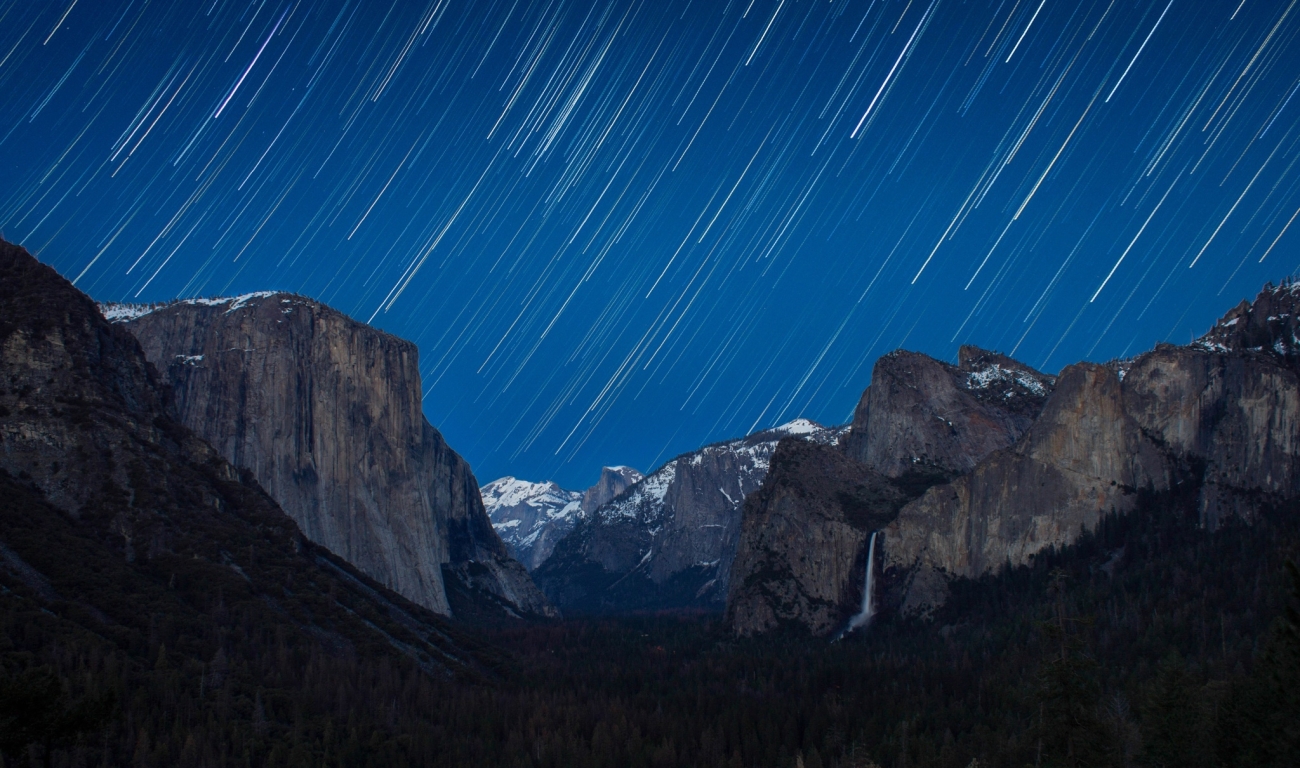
column 195, row 569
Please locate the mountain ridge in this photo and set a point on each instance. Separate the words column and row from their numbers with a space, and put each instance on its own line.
column 1222, row 413
column 668, row 540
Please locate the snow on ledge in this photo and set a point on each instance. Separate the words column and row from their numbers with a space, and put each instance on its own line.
column 122, row 313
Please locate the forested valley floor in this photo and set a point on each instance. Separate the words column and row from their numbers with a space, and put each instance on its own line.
column 1152, row 641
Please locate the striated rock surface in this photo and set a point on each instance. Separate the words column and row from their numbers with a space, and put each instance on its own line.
column 1222, row 413
column 923, row 416
column 801, row 560
column 119, row 519
column 667, row 541
column 1030, row 461
column 1083, row 458
column 532, row 517
column 921, row 422
column 325, row 412
column 612, row 482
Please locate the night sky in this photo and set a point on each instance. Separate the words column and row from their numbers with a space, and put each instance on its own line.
column 620, row 230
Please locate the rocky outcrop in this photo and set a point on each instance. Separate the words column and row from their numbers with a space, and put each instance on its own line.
column 921, row 422
column 1083, row 458
column 667, row 541
column 801, row 559
column 1031, row 460
column 612, row 482
column 1222, row 413
column 326, row 414
column 923, row 416
column 120, row 520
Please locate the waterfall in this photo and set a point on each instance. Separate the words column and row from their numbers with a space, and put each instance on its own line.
column 868, row 598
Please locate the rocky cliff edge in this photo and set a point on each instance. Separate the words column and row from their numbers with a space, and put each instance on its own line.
column 326, row 413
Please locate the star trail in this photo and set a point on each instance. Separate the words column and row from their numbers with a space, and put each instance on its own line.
column 618, row 230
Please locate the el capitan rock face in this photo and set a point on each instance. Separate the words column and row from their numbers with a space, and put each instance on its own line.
column 667, row 541
column 326, row 414
column 119, row 518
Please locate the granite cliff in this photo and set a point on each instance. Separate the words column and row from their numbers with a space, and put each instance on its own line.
column 997, row 474
column 926, row 417
column 802, row 553
column 667, row 541
column 326, row 413
column 612, row 482
column 122, row 528
column 532, row 517
column 802, row 550
column 1221, row 414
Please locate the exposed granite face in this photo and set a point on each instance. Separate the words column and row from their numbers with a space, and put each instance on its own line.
column 922, row 415
column 612, row 482
column 1083, row 458
column 1223, row 412
column 667, row 541
column 1237, row 413
column 1037, row 460
column 88, row 431
column 326, row 414
column 801, row 560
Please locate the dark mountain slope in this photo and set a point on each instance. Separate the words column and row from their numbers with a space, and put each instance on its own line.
column 802, row 547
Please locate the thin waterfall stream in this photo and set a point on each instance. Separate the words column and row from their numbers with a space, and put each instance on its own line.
column 863, row 616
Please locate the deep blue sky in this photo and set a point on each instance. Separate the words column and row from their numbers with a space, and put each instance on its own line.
column 619, row 230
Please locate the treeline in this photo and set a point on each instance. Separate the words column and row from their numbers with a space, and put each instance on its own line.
column 1150, row 642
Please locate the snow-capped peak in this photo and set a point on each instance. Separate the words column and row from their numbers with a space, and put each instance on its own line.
column 798, row 427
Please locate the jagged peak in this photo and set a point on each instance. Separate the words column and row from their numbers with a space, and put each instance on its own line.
column 1269, row 324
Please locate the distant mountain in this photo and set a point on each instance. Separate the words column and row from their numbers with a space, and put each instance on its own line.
column 532, row 517
column 326, row 414
column 612, row 482
column 528, row 516
column 1023, row 466
column 667, row 541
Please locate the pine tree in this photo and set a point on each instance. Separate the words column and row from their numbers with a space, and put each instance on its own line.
column 1069, row 730
column 1174, row 719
